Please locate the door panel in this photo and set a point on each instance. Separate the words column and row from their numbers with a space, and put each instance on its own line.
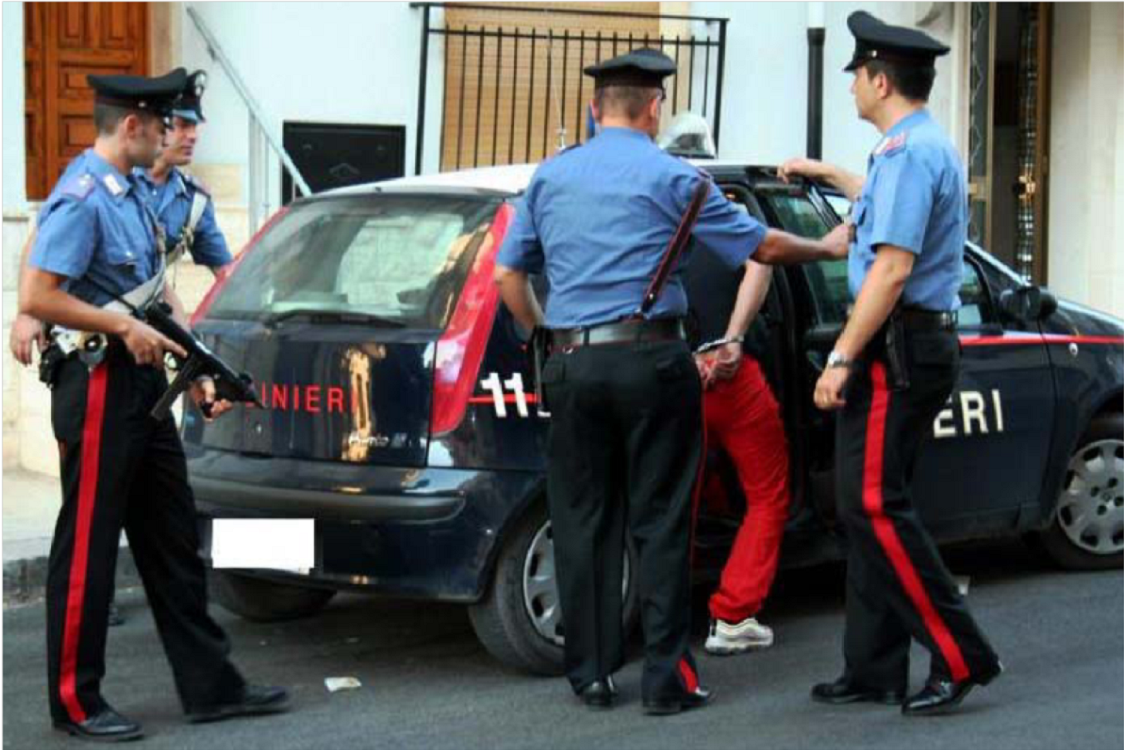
column 63, row 43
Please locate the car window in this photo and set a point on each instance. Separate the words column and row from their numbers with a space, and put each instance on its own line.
column 975, row 302
column 402, row 259
column 795, row 212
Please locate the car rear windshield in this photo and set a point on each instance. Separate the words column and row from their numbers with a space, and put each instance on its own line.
column 394, row 259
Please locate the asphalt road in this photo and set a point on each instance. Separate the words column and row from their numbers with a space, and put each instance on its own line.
column 427, row 683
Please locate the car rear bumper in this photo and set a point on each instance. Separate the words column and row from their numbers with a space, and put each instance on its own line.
column 425, row 533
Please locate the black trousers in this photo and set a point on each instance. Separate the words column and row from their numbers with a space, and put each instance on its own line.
column 625, row 450
column 121, row 469
column 897, row 586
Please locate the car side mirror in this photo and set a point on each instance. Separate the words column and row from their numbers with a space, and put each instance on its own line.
column 1028, row 303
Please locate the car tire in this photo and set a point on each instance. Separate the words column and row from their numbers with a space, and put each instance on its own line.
column 509, row 625
column 259, row 600
column 1100, row 457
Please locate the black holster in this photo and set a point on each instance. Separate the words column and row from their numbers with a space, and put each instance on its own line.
column 538, row 349
column 50, row 362
column 897, row 360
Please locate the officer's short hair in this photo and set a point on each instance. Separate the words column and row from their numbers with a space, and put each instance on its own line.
column 108, row 116
column 628, row 100
column 914, row 82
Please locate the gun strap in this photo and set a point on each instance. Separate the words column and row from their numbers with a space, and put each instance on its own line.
column 675, row 247
column 187, row 234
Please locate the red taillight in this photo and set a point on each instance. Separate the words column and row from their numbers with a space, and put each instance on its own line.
column 230, row 268
column 461, row 348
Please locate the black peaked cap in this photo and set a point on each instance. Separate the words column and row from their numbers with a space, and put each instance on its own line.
column 640, row 67
column 875, row 40
column 156, row 95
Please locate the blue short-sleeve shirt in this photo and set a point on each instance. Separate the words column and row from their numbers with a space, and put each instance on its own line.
column 172, row 204
column 915, row 197
column 597, row 220
column 97, row 223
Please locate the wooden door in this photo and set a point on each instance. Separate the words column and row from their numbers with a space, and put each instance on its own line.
column 63, row 43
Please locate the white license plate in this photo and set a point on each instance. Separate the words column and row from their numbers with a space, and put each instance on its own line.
column 273, row 543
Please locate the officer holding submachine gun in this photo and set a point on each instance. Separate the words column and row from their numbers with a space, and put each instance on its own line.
column 96, row 274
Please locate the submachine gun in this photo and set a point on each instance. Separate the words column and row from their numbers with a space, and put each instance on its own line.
column 200, row 361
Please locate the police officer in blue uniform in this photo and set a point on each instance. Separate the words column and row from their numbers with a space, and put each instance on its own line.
column 625, row 444
column 891, row 371
column 182, row 204
column 98, row 239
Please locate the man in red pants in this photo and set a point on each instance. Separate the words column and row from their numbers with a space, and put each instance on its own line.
column 743, row 418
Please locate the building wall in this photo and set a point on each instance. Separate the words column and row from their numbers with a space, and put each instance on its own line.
column 764, row 118
column 14, row 217
column 315, row 62
column 1086, row 209
column 15, row 176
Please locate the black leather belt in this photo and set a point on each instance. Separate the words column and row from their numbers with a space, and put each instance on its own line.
column 624, row 331
column 918, row 319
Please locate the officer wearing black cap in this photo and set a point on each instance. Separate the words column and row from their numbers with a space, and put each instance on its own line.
column 98, row 239
column 625, row 444
column 891, row 371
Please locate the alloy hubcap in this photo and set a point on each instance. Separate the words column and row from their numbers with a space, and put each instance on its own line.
column 540, row 586
column 1091, row 507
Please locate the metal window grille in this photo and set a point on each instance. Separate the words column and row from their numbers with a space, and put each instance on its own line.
column 514, row 92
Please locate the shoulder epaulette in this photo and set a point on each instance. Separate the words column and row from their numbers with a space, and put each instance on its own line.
column 80, row 186
column 892, row 145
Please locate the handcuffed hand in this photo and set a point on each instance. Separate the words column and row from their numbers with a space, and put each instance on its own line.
column 203, row 394
column 829, row 388
column 25, row 331
column 727, row 359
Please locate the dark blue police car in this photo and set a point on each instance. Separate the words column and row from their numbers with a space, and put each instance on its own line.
column 398, row 413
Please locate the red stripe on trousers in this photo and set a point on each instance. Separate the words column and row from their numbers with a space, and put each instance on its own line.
column 690, row 679
column 888, row 536
column 87, row 494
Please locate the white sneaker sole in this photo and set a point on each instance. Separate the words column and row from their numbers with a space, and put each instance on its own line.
column 729, row 648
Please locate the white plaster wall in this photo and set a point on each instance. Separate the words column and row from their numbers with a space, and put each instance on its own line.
column 1086, row 203
column 15, row 170
column 765, row 101
column 316, row 62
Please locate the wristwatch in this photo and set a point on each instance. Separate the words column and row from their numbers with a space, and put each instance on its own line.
column 835, row 359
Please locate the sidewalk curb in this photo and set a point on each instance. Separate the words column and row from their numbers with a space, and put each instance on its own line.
column 25, row 580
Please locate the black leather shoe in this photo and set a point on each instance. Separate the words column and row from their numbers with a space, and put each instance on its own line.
column 105, row 726
column 599, row 694
column 255, row 699
column 700, row 696
column 844, row 691
column 941, row 696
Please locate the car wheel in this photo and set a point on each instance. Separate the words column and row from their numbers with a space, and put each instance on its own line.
column 1087, row 531
column 519, row 619
column 259, row 600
